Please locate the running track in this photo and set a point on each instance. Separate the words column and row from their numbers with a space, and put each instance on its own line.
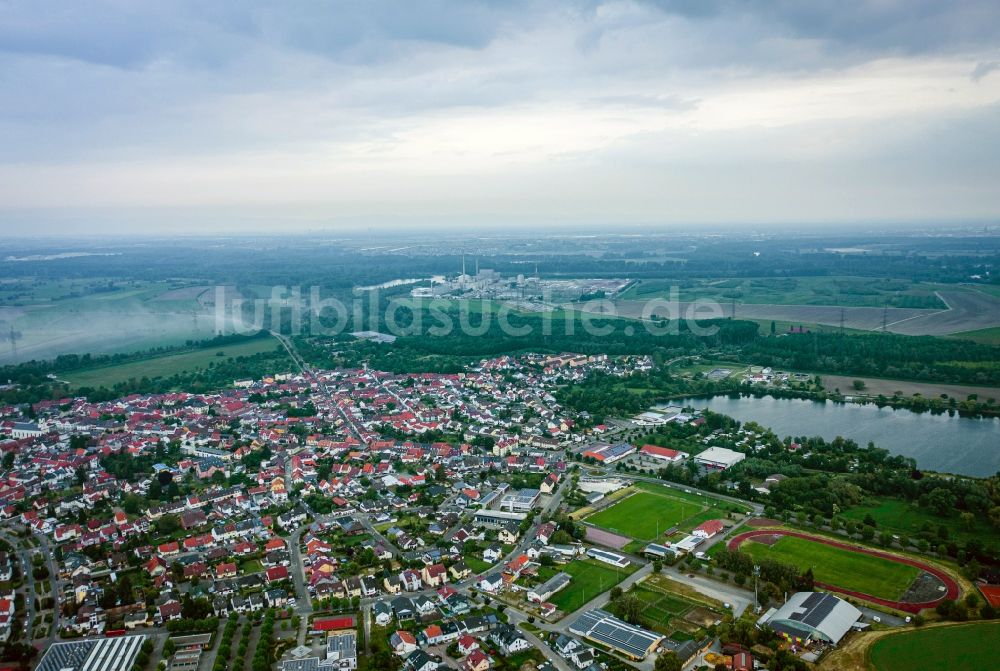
column 951, row 586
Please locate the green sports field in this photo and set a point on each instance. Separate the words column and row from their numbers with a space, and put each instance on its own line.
column 654, row 509
column 835, row 566
column 960, row 647
column 590, row 578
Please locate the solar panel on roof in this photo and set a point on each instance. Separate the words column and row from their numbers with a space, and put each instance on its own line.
column 814, row 617
column 813, row 599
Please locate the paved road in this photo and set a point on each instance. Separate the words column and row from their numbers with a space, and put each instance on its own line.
column 23, row 556
column 349, row 425
column 516, row 617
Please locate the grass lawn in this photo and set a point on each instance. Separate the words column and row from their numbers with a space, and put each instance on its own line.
column 960, row 647
column 835, row 566
column 477, row 565
column 167, row 364
column 642, row 515
column 901, row 517
column 252, row 566
column 653, row 508
column 590, row 578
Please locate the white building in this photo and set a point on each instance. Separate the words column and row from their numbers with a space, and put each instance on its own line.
column 719, row 457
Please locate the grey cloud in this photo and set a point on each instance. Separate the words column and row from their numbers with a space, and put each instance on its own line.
column 983, row 69
column 874, row 26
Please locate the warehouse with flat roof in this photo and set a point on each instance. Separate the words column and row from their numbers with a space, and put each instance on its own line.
column 604, row 628
column 719, row 457
column 103, row 654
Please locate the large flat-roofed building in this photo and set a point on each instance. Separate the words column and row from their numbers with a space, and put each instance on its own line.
column 203, row 641
column 663, row 453
column 604, row 628
column 496, row 518
column 308, row 664
column 520, row 501
column 104, row 654
column 612, row 558
column 658, row 551
column 185, row 660
column 719, row 457
column 342, row 650
column 813, row 616
column 608, row 454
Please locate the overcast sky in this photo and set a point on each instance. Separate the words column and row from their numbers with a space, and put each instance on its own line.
column 242, row 115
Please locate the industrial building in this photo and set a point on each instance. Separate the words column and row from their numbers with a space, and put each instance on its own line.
column 104, row 654
column 719, row 458
column 664, row 454
column 602, row 627
column 496, row 519
column 608, row 454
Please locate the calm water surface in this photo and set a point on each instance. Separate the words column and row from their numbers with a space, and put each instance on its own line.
column 938, row 442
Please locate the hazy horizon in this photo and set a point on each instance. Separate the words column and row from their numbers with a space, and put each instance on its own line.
column 244, row 117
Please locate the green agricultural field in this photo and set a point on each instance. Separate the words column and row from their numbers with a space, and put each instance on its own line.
column 989, row 336
column 846, row 291
column 654, row 509
column 849, row 570
column 660, row 607
column 590, row 578
column 167, row 364
column 956, row 647
column 665, row 602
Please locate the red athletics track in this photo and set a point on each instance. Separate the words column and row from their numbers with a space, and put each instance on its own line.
column 951, row 586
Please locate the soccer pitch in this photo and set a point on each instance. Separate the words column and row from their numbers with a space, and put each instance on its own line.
column 654, row 510
column 835, row 566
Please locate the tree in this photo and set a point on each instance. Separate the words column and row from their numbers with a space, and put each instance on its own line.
column 168, row 524
column 630, row 608
column 941, row 501
column 8, row 460
column 667, row 661
column 132, row 504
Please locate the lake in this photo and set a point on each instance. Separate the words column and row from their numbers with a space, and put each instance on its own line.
column 963, row 445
